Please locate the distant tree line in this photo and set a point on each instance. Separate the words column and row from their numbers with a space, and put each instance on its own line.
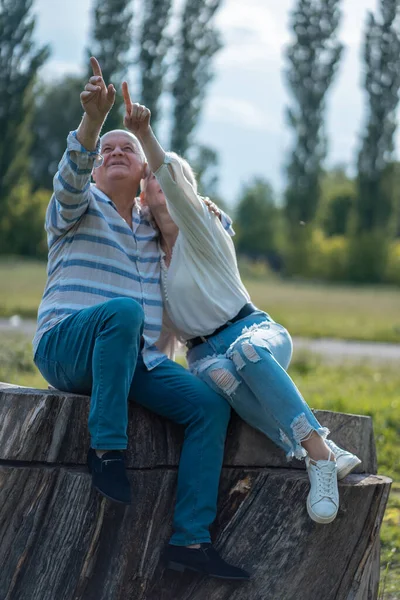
column 327, row 225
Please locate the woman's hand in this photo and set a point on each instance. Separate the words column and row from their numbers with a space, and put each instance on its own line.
column 137, row 116
column 97, row 99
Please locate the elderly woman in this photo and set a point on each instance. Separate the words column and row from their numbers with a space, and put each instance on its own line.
column 237, row 349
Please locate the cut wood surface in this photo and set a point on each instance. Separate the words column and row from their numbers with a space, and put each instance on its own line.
column 60, row 540
column 51, row 426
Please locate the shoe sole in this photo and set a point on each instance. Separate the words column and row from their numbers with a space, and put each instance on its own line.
column 111, row 498
column 316, row 518
column 179, row 568
column 342, row 473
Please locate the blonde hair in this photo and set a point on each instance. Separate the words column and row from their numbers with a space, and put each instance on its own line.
column 187, row 170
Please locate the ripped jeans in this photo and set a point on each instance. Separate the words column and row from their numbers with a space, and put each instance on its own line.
column 246, row 363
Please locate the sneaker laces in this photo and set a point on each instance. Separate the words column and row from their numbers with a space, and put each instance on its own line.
column 332, row 446
column 326, row 481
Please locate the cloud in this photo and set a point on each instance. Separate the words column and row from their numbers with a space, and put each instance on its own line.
column 58, row 68
column 241, row 113
column 254, row 32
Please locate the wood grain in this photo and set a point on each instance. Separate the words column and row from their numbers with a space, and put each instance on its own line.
column 60, row 540
column 51, row 426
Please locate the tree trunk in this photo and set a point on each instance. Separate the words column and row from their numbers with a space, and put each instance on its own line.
column 60, row 540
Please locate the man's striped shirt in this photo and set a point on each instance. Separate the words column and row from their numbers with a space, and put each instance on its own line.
column 93, row 253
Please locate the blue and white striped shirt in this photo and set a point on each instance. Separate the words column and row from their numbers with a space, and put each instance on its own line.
column 93, row 253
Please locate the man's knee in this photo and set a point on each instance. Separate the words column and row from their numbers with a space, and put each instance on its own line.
column 126, row 312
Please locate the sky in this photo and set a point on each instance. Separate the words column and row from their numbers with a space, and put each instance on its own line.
column 243, row 116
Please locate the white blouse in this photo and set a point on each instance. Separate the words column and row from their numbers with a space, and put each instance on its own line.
column 202, row 288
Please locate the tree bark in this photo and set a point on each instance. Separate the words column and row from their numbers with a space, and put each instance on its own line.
column 60, row 540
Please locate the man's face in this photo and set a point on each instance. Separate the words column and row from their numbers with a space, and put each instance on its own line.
column 122, row 161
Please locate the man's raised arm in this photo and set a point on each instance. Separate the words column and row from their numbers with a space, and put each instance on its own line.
column 72, row 180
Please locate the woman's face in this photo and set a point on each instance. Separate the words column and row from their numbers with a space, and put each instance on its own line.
column 153, row 194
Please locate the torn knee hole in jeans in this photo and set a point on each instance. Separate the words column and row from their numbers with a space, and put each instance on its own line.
column 238, row 361
column 225, row 380
column 250, row 352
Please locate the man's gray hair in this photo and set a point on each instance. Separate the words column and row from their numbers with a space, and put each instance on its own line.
column 129, row 134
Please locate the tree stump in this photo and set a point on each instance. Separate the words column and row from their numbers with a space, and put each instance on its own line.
column 60, row 540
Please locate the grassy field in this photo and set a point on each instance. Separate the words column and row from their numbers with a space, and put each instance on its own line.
column 306, row 309
column 362, row 389
column 311, row 310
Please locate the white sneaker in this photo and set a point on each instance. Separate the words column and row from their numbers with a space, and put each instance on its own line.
column 346, row 461
column 323, row 498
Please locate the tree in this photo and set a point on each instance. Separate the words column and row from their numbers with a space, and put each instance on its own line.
column 336, row 202
column 154, row 44
column 382, row 84
column 111, row 42
column 258, row 223
column 205, row 163
column 20, row 60
column 373, row 223
column 313, row 59
column 51, row 126
column 198, row 41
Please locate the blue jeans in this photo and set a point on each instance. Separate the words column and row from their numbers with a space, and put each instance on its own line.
column 97, row 352
column 246, row 363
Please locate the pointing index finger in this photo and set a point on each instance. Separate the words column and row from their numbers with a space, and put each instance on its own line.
column 96, row 67
column 126, row 96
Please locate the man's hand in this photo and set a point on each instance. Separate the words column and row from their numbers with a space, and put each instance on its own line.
column 137, row 116
column 97, row 99
column 213, row 208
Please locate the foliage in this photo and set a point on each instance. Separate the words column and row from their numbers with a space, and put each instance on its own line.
column 374, row 208
column 205, row 163
column 111, row 42
column 392, row 272
column 20, row 60
column 374, row 205
column 22, row 227
column 329, row 258
column 313, row 58
column 258, row 223
column 337, row 201
column 368, row 256
column 154, row 44
column 52, row 125
column 197, row 43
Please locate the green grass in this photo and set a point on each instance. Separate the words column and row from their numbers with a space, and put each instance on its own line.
column 311, row 310
column 321, row 310
column 354, row 388
column 366, row 390
column 21, row 289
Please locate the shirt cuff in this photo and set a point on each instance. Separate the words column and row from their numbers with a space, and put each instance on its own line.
column 86, row 156
column 226, row 223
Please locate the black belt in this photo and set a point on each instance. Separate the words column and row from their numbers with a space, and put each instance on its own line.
column 247, row 310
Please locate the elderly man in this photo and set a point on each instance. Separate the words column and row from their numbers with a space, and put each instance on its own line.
column 100, row 319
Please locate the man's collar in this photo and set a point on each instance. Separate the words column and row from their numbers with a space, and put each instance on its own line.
column 136, row 208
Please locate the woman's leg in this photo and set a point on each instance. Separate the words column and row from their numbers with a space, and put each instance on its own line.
column 222, row 377
column 261, row 391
